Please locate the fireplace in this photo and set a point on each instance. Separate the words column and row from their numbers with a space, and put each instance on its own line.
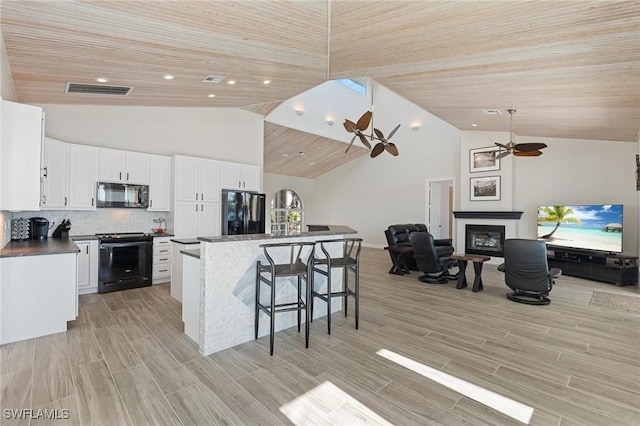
column 486, row 240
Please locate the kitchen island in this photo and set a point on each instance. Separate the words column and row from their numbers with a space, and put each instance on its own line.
column 226, row 300
column 38, row 292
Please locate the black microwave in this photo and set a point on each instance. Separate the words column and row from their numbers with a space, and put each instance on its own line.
column 122, row 195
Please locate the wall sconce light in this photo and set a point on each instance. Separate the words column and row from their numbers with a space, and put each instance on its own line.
column 299, row 111
column 415, row 127
column 329, row 122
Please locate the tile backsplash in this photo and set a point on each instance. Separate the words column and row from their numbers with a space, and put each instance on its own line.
column 99, row 220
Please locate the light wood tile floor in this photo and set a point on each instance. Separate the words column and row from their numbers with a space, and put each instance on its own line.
column 126, row 361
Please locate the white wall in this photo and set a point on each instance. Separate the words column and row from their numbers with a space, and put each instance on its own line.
column 369, row 194
column 220, row 133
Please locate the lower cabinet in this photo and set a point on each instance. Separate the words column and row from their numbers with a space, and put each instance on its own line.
column 162, row 259
column 87, row 267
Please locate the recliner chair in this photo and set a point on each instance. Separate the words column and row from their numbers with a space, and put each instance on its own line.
column 400, row 234
column 526, row 271
column 428, row 260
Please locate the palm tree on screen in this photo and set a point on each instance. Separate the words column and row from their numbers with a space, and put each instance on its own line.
column 557, row 214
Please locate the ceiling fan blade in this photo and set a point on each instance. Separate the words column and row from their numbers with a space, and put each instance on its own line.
column 393, row 132
column 349, row 125
column 379, row 134
column 503, row 154
column 364, row 121
column 350, row 143
column 529, row 146
column 393, row 150
column 364, row 140
column 377, row 150
column 501, row 145
column 527, row 153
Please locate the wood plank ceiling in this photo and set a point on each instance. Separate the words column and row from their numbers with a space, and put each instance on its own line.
column 572, row 69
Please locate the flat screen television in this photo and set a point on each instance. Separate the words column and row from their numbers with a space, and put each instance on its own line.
column 589, row 227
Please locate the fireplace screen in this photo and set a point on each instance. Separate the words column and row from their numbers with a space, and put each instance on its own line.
column 487, row 240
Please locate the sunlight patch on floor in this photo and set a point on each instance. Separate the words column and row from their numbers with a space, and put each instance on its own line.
column 507, row 406
column 327, row 404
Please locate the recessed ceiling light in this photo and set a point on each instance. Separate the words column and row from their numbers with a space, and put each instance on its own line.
column 312, row 163
column 168, row 77
column 266, row 82
column 474, row 125
column 211, row 95
column 231, row 82
column 285, row 155
column 102, row 80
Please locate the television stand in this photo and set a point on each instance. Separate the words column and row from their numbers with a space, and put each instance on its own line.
column 617, row 269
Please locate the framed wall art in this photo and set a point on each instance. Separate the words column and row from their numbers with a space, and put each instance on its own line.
column 486, row 188
column 484, row 159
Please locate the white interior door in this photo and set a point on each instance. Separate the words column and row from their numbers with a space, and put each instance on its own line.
column 439, row 206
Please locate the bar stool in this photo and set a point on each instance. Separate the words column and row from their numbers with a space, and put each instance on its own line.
column 349, row 261
column 269, row 272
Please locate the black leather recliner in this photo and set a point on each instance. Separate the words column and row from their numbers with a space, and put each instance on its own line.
column 399, row 235
column 428, row 260
column 526, row 271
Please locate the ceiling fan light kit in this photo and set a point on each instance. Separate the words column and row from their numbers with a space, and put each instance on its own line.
column 531, row 149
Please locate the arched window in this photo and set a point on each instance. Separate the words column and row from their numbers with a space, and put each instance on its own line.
column 286, row 212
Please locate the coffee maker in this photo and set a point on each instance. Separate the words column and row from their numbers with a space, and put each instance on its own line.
column 38, row 228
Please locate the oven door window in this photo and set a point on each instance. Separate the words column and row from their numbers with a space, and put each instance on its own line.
column 121, row 261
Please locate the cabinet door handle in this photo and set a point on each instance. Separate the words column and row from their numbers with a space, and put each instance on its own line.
column 91, row 201
column 87, row 249
column 127, row 176
column 150, row 203
column 163, row 270
column 201, row 207
column 196, row 207
column 196, row 196
column 164, row 258
column 45, row 172
column 120, row 178
column 65, row 201
column 239, row 185
column 244, row 184
column 202, row 196
column 44, row 199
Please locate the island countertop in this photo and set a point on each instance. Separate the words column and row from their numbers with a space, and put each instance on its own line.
column 39, row 247
column 333, row 230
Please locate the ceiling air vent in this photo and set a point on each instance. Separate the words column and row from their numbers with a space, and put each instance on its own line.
column 492, row 111
column 98, row 89
column 213, row 79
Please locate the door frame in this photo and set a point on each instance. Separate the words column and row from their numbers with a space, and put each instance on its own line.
column 435, row 204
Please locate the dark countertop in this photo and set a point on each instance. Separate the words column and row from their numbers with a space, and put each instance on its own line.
column 163, row 234
column 83, row 237
column 39, row 247
column 191, row 252
column 186, row 240
column 333, row 230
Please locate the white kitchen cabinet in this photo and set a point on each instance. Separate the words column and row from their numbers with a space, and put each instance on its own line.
column 20, row 156
column 55, row 175
column 123, row 166
column 83, row 176
column 197, row 204
column 246, row 177
column 87, row 267
column 159, row 183
column 162, row 260
column 69, row 175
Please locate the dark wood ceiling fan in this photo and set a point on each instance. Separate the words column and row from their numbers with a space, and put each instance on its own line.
column 358, row 132
column 531, row 149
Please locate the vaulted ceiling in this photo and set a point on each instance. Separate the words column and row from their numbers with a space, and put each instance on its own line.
column 571, row 69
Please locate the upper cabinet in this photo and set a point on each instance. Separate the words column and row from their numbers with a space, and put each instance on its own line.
column 240, row 176
column 123, row 166
column 69, row 176
column 159, row 183
column 20, row 155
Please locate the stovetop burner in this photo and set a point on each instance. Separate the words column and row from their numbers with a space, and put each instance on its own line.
column 125, row 236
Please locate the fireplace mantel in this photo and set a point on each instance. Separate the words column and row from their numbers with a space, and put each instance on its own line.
column 487, row 215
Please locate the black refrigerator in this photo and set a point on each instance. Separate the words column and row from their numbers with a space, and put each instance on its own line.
column 243, row 212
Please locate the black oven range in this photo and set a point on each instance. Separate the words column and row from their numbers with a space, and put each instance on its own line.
column 125, row 261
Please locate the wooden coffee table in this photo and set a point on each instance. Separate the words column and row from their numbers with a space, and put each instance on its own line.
column 477, row 267
column 399, row 256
